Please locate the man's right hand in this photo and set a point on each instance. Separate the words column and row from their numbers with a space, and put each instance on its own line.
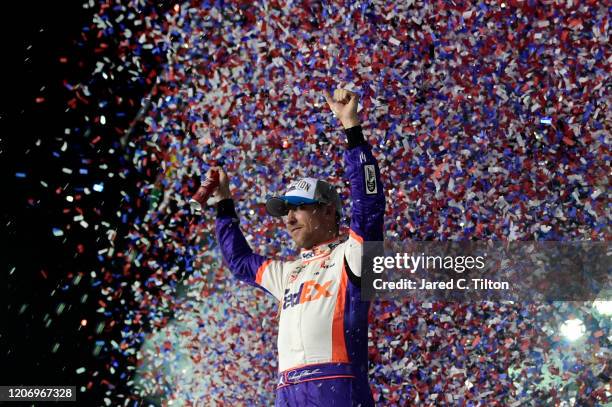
column 344, row 105
column 222, row 191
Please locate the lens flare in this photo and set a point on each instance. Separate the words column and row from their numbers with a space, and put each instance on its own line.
column 573, row 329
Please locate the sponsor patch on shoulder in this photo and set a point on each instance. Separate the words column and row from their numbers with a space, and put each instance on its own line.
column 370, row 179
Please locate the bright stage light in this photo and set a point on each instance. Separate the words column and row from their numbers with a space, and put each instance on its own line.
column 603, row 307
column 573, row 329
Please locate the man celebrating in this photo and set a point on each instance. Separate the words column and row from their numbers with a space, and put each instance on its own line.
column 323, row 324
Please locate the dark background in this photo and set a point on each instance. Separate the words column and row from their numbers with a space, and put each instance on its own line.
column 41, row 345
column 43, row 34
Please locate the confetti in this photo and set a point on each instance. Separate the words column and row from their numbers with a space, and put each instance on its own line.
column 490, row 121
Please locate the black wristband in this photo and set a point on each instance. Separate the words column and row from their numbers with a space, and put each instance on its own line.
column 226, row 209
column 354, row 136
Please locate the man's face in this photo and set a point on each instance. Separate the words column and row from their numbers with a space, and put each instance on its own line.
column 308, row 225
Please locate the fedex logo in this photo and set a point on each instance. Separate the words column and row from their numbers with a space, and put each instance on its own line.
column 308, row 254
column 309, row 291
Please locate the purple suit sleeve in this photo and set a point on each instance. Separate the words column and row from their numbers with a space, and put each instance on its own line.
column 367, row 192
column 245, row 265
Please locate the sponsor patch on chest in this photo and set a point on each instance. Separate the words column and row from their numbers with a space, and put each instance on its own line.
column 308, row 291
column 295, row 273
column 327, row 265
column 371, row 187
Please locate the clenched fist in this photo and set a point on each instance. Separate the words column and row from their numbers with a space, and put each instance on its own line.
column 222, row 191
column 344, row 106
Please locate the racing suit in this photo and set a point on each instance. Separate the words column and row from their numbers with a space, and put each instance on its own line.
column 323, row 324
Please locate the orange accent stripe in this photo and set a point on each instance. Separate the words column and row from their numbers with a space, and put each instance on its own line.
column 339, row 353
column 260, row 271
column 355, row 236
column 316, row 258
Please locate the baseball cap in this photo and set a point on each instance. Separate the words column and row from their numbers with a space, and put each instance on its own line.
column 304, row 191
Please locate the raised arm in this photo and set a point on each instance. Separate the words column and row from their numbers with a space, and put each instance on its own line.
column 367, row 192
column 238, row 255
